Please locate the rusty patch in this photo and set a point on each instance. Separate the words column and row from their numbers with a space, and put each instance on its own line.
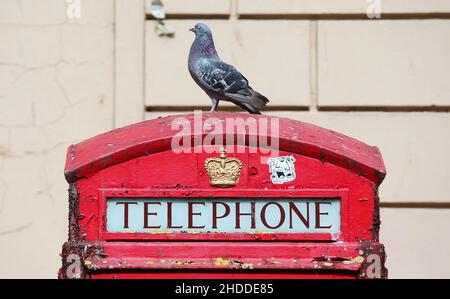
column 74, row 213
column 366, row 250
column 76, row 244
column 376, row 222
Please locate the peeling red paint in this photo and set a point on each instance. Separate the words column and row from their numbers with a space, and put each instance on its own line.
column 154, row 136
column 121, row 163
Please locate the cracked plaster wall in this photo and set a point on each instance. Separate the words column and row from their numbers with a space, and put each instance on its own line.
column 56, row 88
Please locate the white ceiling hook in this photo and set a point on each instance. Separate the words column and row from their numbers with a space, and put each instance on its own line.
column 164, row 30
column 157, row 11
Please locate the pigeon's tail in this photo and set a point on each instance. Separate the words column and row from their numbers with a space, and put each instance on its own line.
column 248, row 107
column 250, row 102
column 258, row 99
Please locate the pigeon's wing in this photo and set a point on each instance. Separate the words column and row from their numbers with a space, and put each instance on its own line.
column 226, row 79
column 221, row 76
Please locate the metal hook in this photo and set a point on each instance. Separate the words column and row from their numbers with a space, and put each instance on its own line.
column 157, row 11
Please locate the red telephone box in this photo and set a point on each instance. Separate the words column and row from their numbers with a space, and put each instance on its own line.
column 163, row 199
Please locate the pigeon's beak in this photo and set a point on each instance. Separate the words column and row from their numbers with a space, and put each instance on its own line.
column 192, row 29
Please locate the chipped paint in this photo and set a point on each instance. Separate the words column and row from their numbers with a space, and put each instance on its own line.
column 183, row 262
column 246, row 266
column 359, row 259
column 156, row 231
column 234, row 263
column 262, row 232
column 221, row 262
column 345, row 162
column 273, row 261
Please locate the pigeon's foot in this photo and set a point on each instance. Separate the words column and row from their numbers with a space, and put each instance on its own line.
column 215, row 104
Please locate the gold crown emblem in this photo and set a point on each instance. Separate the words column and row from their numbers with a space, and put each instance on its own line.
column 223, row 171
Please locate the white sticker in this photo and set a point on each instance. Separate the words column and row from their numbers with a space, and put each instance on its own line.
column 282, row 169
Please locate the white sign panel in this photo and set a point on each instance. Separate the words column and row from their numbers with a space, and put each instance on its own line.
column 222, row 215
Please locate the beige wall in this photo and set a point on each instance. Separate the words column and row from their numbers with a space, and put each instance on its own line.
column 382, row 81
column 56, row 88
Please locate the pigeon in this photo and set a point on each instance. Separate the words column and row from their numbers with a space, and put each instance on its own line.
column 219, row 80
